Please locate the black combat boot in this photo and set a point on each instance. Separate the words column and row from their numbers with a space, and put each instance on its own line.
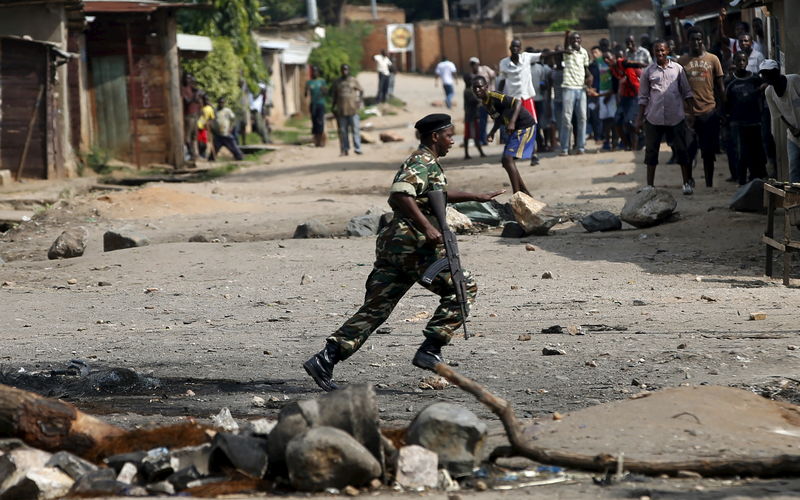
column 428, row 355
column 320, row 366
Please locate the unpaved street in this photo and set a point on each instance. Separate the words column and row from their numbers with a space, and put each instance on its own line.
column 234, row 319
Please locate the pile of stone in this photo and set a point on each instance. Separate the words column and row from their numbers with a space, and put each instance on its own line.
column 646, row 208
column 333, row 443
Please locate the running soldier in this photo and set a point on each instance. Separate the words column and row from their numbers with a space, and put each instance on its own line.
column 404, row 250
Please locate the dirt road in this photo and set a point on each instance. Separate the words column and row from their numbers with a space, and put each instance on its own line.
column 231, row 320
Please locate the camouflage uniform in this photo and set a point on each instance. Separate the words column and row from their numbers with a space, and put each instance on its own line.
column 401, row 256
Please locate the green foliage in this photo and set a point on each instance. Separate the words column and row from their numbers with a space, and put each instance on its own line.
column 96, row 159
column 234, row 19
column 218, row 74
column 562, row 25
column 275, row 11
column 340, row 46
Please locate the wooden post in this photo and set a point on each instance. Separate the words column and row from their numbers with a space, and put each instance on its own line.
column 134, row 95
column 31, row 123
column 770, row 232
column 174, row 101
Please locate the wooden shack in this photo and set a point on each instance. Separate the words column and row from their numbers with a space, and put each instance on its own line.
column 133, row 75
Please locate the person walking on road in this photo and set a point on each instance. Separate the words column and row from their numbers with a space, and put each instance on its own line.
column 316, row 89
column 663, row 90
column 346, row 101
column 743, row 104
column 577, row 78
column 520, row 129
column 704, row 72
column 445, row 71
column 405, row 248
column 783, row 99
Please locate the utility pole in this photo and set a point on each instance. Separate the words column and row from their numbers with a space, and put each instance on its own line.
column 659, row 13
column 445, row 10
column 374, row 9
column 313, row 18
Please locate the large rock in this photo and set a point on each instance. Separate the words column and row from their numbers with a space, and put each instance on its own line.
column 353, row 409
column 364, row 225
column 70, row 464
column 390, row 137
column 529, row 213
column 326, row 457
column 512, row 230
column 367, row 138
column 648, row 207
column 71, row 243
column 458, row 222
column 417, row 467
column 247, row 454
column 123, row 238
column 5, row 177
column 101, row 482
column 750, row 197
column 18, row 460
column 453, row 432
column 311, row 229
column 42, row 483
column 602, row 220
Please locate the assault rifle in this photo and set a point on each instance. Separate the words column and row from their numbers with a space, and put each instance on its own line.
column 438, row 203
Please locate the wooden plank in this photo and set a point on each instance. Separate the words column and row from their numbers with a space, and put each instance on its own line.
column 774, row 244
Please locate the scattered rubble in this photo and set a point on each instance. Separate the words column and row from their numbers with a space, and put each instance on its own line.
column 648, row 207
column 757, row 316
column 311, row 229
column 553, row 351
column 71, row 243
column 390, row 137
column 602, row 220
column 456, row 434
column 364, row 225
column 458, row 222
column 327, row 457
column 417, row 467
column 123, row 238
column 528, row 212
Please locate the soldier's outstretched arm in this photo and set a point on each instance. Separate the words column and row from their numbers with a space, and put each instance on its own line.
column 454, row 196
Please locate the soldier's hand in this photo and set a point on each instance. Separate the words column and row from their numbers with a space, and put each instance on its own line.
column 484, row 197
column 433, row 236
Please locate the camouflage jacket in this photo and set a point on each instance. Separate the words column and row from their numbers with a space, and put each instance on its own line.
column 419, row 174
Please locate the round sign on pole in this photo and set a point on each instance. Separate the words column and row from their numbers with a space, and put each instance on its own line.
column 400, row 37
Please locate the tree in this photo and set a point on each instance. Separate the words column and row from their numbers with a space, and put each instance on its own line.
column 591, row 11
column 234, row 19
column 275, row 11
column 340, row 46
column 218, row 74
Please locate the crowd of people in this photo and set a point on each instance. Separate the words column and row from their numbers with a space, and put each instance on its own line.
column 208, row 129
column 628, row 96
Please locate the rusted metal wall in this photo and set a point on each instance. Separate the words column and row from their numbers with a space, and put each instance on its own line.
column 146, row 81
column 24, row 73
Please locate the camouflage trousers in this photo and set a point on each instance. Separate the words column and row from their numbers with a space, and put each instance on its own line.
column 402, row 256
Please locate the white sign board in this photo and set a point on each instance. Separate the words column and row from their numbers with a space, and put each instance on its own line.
column 400, row 37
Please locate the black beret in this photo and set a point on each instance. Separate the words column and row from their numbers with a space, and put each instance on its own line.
column 433, row 123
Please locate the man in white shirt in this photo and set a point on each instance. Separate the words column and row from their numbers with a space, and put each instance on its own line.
column 783, row 98
column 739, row 29
column 577, row 79
column 515, row 75
column 445, row 71
column 382, row 66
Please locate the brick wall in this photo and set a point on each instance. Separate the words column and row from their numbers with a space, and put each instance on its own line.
column 427, row 44
column 387, row 14
column 547, row 40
